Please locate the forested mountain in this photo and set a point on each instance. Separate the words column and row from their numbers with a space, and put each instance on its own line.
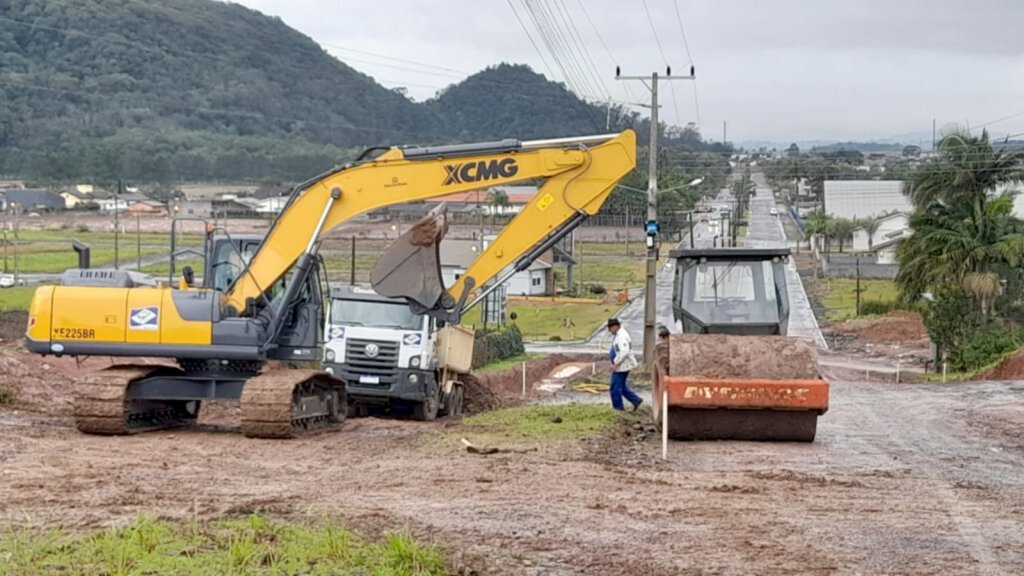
column 173, row 90
column 513, row 101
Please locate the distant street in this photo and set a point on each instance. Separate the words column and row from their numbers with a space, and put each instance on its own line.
column 763, row 231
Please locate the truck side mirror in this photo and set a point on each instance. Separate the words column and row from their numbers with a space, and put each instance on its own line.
column 188, row 275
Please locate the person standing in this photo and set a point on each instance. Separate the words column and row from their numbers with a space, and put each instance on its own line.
column 623, row 360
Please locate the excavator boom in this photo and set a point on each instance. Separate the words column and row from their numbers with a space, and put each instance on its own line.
column 580, row 173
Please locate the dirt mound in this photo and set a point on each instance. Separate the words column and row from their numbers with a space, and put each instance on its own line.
column 1011, row 368
column 896, row 326
column 723, row 356
column 490, row 390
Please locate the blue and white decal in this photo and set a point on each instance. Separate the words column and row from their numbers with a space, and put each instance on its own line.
column 412, row 339
column 147, row 318
column 337, row 333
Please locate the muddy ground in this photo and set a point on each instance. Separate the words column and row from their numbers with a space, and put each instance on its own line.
column 903, row 479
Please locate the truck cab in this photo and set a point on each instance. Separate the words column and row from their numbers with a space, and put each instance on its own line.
column 383, row 351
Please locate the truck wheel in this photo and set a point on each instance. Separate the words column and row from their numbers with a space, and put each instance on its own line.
column 426, row 410
column 455, row 409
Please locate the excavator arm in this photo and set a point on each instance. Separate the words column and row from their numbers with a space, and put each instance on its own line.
column 579, row 175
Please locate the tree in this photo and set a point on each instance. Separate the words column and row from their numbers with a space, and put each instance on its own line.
column 793, row 150
column 498, row 201
column 817, row 224
column 870, row 225
column 962, row 227
column 842, row 230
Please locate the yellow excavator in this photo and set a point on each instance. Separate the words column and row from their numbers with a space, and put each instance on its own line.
column 223, row 339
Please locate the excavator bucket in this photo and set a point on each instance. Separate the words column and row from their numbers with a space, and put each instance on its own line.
column 411, row 268
column 727, row 387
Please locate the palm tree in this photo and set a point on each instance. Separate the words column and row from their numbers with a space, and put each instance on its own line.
column 498, row 199
column 871, row 226
column 962, row 227
column 817, row 224
column 842, row 230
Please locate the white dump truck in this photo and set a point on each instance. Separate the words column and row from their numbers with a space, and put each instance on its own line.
column 388, row 356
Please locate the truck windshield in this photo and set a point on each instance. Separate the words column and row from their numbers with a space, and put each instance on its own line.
column 378, row 314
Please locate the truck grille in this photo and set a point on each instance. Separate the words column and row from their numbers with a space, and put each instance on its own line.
column 384, row 364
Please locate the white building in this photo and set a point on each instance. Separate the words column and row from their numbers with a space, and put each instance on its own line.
column 458, row 255
column 888, row 227
column 892, row 229
column 864, row 198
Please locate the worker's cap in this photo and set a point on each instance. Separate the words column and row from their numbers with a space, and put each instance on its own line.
column 613, row 322
column 662, row 331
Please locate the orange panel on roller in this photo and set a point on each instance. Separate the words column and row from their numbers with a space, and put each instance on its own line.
column 747, row 393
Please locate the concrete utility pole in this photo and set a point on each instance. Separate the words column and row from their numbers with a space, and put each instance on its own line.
column 651, row 227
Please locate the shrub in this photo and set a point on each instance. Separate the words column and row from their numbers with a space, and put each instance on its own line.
column 81, row 228
column 983, row 347
column 879, row 307
column 597, row 289
column 496, row 345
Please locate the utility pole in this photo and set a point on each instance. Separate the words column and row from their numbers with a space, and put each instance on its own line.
column 723, row 132
column 138, row 242
column 117, row 200
column 651, row 227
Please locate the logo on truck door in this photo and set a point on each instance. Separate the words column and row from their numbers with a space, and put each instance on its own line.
column 147, row 318
column 480, row 171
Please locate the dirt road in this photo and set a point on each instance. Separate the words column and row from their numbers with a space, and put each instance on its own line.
column 911, row 479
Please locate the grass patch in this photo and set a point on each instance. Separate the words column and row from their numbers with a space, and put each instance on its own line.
column 841, row 300
column 16, row 298
column 59, row 259
column 613, row 274
column 561, row 421
column 253, row 545
column 554, row 320
column 506, row 363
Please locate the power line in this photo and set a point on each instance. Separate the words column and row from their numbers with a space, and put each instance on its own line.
column 586, row 89
column 672, row 87
column 574, row 33
column 530, row 38
column 548, row 43
column 689, row 56
column 347, row 49
column 586, row 14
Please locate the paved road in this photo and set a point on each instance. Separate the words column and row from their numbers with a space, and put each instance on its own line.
column 766, row 231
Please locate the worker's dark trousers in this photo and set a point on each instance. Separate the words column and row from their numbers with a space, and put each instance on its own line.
column 619, row 388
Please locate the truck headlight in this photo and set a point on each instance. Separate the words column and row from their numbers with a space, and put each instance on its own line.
column 329, row 370
column 414, row 362
column 414, row 378
column 330, row 355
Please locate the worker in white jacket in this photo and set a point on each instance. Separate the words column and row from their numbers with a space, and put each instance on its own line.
column 623, row 360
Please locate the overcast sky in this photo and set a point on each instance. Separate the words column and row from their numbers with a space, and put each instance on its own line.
column 782, row 70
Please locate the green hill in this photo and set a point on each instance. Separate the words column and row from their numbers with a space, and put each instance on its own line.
column 513, row 101
column 186, row 90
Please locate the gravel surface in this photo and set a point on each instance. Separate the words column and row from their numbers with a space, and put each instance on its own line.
column 903, row 479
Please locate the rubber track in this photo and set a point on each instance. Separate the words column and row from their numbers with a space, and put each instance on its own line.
column 267, row 405
column 100, row 400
